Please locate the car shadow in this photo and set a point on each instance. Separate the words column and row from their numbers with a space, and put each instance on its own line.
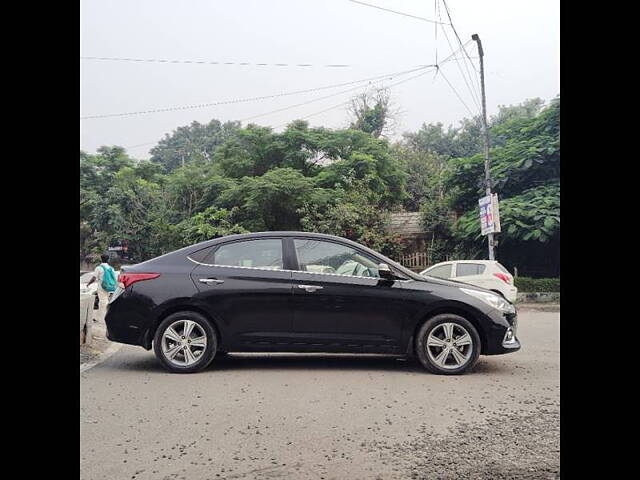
column 237, row 362
column 304, row 361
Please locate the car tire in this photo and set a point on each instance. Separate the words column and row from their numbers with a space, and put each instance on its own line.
column 181, row 362
column 434, row 332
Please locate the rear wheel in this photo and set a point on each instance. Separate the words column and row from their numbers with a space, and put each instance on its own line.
column 448, row 344
column 185, row 342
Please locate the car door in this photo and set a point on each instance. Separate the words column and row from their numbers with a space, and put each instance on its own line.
column 340, row 303
column 245, row 287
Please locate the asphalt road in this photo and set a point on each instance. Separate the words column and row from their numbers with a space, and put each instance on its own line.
column 326, row 417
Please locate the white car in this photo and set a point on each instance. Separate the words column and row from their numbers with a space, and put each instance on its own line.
column 488, row 274
column 84, row 279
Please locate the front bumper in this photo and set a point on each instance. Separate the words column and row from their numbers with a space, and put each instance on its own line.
column 498, row 340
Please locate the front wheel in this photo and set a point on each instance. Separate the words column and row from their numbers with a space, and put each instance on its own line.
column 185, row 342
column 448, row 344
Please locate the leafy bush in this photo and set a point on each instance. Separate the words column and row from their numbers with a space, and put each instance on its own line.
column 527, row 284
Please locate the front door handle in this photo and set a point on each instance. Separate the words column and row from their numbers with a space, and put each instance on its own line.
column 210, row 280
column 310, row 288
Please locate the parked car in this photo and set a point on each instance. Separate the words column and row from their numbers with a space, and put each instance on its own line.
column 84, row 279
column 488, row 274
column 302, row 292
column 93, row 288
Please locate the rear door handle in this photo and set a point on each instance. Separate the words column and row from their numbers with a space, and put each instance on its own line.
column 210, row 280
column 310, row 288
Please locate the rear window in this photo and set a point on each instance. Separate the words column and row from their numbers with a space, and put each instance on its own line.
column 261, row 253
column 441, row 271
column 465, row 269
column 504, row 270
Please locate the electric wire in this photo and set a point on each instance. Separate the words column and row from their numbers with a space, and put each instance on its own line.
column 471, row 87
column 476, row 77
column 349, row 101
column 244, row 100
column 456, row 92
column 357, row 87
column 211, row 62
column 394, row 11
column 436, row 67
column 456, row 33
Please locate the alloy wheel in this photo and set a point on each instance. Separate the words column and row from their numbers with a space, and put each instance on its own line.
column 184, row 342
column 449, row 345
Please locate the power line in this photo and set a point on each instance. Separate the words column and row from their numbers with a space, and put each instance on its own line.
column 394, row 11
column 312, row 101
column 456, row 92
column 447, row 59
column 476, row 85
column 140, row 145
column 211, row 62
column 244, row 100
column 456, row 33
column 435, row 9
column 348, row 101
column 474, row 94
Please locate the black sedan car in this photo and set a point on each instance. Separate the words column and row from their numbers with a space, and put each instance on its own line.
column 302, row 292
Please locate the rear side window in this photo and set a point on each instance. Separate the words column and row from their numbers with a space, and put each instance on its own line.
column 442, row 271
column 201, row 255
column 265, row 253
column 465, row 269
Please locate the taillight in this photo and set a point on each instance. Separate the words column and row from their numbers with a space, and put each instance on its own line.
column 503, row 277
column 130, row 278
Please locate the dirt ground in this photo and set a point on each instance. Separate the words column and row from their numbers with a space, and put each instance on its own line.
column 326, row 417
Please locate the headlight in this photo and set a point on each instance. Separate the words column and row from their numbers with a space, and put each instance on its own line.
column 491, row 299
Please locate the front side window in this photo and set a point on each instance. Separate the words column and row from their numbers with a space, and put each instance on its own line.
column 441, row 271
column 319, row 256
column 251, row 253
column 465, row 269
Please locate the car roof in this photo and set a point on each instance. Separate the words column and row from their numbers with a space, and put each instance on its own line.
column 246, row 236
column 484, row 262
column 288, row 233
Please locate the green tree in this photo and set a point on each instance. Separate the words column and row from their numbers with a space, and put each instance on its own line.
column 526, row 174
column 372, row 113
column 194, row 143
column 206, row 225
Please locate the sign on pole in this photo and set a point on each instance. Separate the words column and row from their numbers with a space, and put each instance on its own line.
column 496, row 214
column 489, row 214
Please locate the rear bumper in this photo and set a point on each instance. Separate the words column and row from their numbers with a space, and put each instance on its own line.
column 128, row 320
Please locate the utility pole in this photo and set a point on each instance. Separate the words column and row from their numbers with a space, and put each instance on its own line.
column 485, row 131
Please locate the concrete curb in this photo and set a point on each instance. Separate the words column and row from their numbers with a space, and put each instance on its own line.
column 538, row 307
column 538, row 297
column 113, row 348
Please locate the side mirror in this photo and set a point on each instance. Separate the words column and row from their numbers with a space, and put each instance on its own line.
column 385, row 272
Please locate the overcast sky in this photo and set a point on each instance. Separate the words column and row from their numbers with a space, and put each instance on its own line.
column 520, row 39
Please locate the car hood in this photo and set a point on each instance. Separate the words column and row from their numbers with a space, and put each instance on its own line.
column 453, row 283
